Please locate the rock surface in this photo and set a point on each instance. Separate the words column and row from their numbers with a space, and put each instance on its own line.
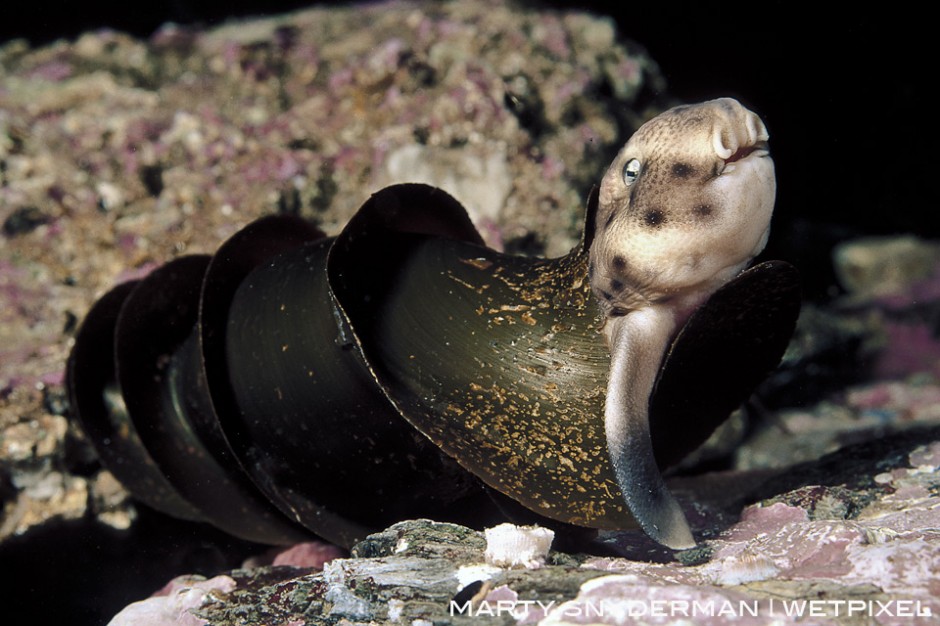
column 862, row 546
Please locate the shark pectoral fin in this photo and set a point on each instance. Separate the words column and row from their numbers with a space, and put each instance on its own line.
column 637, row 343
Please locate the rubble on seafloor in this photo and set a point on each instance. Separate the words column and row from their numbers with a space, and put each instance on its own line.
column 860, row 546
column 119, row 154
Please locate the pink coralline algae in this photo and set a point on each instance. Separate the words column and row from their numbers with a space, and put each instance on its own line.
column 892, row 544
column 172, row 606
column 891, row 548
column 311, row 554
column 119, row 154
column 909, row 347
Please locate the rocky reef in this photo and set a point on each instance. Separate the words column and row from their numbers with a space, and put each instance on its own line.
column 119, row 154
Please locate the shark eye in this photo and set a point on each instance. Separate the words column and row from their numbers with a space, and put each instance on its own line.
column 631, row 171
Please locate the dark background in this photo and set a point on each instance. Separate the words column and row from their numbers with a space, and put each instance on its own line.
column 842, row 91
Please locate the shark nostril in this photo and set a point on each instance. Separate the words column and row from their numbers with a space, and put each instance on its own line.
column 756, row 130
column 723, row 144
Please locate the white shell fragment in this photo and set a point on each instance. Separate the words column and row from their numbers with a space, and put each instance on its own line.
column 508, row 545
